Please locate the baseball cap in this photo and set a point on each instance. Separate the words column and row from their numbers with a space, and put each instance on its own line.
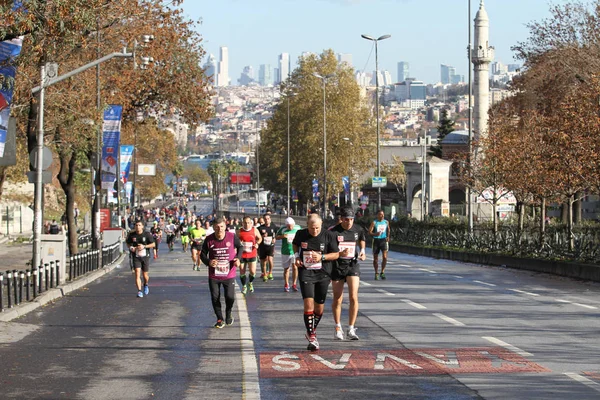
column 347, row 212
column 290, row 221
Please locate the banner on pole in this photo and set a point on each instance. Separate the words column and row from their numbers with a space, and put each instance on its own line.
column 9, row 50
column 111, row 135
column 294, row 195
column 346, row 184
column 315, row 189
column 126, row 157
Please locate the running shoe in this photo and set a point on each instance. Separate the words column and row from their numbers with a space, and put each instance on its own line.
column 146, row 290
column 313, row 343
column 339, row 333
column 244, row 289
column 265, row 278
column 251, row 287
column 376, row 276
column 194, row 267
column 220, row 324
column 351, row 334
column 229, row 320
column 270, row 277
column 155, row 256
column 140, row 294
column 294, row 288
column 286, row 288
column 382, row 276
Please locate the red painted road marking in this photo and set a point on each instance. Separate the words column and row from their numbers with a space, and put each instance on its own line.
column 593, row 375
column 487, row 360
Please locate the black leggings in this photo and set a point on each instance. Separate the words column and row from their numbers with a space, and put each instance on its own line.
column 215, row 295
column 315, row 290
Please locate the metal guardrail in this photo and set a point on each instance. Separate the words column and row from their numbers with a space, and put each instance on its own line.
column 17, row 287
column 84, row 240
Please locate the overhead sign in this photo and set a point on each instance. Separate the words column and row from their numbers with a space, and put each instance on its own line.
column 242, row 178
column 146, row 170
column 379, row 181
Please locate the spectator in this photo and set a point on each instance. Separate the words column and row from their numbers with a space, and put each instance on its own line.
column 54, row 228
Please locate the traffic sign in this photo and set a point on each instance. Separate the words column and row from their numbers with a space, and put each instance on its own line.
column 379, row 181
column 46, row 176
column 46, row 158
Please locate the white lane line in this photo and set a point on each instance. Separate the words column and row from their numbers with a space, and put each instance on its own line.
column 523, row 292
column 508, row 346
column 576, row 304
column 405, row 265
column 428, row 270
column 415, row 305
column 582, row 379
column 385, row 292
column 485, row 283
column 458, row 276
column 448, row 319
column 365, row 283
column 250, row 381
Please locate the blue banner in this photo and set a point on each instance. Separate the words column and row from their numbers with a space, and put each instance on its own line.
column 111, row 135
column 9, row 50
column 346, row 184
column 315, row 189
column 126, row 157
column 294, row 195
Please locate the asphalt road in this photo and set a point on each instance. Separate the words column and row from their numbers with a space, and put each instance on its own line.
column 434, row 329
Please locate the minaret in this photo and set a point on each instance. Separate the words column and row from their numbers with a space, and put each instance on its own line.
column 482, row 56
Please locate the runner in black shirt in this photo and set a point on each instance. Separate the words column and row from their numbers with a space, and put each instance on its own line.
column 315, row 250
column 349, row 238
column 266, row 249
column 139, row 241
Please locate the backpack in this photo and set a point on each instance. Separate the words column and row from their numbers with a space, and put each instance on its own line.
column 54, row 230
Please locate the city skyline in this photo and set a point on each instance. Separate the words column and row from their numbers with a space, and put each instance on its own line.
column 257, row 33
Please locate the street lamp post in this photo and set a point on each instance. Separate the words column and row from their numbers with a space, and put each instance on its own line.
column 377, row 106
column 324, row 80
column 469, row 194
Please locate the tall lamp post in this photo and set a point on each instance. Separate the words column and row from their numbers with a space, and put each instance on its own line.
column 324, row 80
column 469, row 194
column 288, row 152
column 377, row 106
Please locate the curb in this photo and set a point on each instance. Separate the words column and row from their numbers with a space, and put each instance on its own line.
column 3, row 239
column 56, row 293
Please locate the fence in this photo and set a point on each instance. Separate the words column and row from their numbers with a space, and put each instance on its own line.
column 19, row 286
column 15, row 219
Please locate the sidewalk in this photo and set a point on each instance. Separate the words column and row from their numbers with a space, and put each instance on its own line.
column 15, row 255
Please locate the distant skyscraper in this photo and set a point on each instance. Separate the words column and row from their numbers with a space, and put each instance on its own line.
column 403, row 68
column 276, row 76
column 445, row 74
column 345, row 57
column 264, row 75
column 284, row 67
column 247, row 76
column 379, row 75
column 210, row 69
column 223, row 73
column 387, row 79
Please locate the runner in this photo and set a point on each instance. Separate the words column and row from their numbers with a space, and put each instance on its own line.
column 185, row 234
column 156, row 232
column 221, row 252
column 139, row 241
column 315, row 250
column 170, row 230
column 380, row 230
column 347, row 269
column 266, row 249
column 197, row 237
column 286, row 234
column 250, row 238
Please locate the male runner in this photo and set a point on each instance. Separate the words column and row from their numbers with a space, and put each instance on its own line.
column 156, row 232
column 266, row 249
column 139, row 241
column 315, row 250
column 380, row 230
column 221, row 252
column 286, row 234
column 184, row 233
column 170, row 230
column 349, row 237
column 250, row 238
column 197, row 235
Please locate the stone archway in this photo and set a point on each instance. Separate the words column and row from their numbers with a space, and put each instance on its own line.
column 415, row 203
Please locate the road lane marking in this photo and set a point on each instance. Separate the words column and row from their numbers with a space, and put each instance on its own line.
column 576, row 304
column 458, row 276
column 385, row 292
column 448, row 319
column 485, row 283
column 582, row 379
column 428, row 270
column 415, row 305
column 523, row 292
column 250, row 382
column 405, row 265
column 365, row 283
column 508, row 346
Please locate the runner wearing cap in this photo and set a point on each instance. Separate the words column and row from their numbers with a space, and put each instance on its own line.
column 286, row 234
column 349, row 237
column 380, row 230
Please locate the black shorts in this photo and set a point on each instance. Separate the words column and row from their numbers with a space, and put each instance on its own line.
column 141, row 262
column 315, row 290
column 380, row 245
column 248, row 260
column 340, row 274
column 196, row 246
column 266, row 251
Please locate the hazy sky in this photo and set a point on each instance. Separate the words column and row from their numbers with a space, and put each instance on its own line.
column 426, row 33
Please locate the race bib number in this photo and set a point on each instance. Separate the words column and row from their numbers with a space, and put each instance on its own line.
column 222, row 268
column 350, row 246
column 268, row 240
column 290, row 237
column 310, row 262
column 381, row 229
column 247, row 247
column 141, row 253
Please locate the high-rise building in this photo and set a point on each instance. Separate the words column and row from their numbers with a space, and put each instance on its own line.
column 264, row 75
column 379, row 75
column 345, row 57
column 247, row 76
column 276, row 76
column 223, row 72
column 447, row 73
column 284, row 67
column 387, row 79
column 210, row 69
column 403, row 71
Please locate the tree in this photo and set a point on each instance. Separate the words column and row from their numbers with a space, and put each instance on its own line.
column 394, row 171
column 348, row 116
column 444, row 128
column 195, row 174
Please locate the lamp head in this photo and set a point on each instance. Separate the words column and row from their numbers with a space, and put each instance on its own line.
column 367, row 37
column 384, row 37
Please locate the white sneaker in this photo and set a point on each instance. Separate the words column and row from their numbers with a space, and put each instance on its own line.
column 339, row 333
column 352, row 334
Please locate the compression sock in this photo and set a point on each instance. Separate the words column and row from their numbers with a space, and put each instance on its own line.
column 309, row 322
column 251, row 276
column 317, row 319
column 243, row 279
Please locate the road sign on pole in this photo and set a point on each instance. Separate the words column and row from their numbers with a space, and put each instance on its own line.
column 379, row 181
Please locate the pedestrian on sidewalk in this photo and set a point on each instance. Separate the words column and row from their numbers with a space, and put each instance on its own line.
column 139, row 241
column 221, row 252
